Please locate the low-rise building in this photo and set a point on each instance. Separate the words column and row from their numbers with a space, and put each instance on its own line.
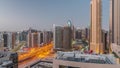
column 8, row 59
column 81, row 60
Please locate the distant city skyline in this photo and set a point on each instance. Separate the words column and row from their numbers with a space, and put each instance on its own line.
column 17, row 15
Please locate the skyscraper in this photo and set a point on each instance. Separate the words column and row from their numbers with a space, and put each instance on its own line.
column 29, row 37
column 78, row 34
column 1, row 40
column 41, row 38
column 62, row 37
column 115, row 26
column 115, row 21
column 45, row 37
column 87, row 30
column 23, row 36
column 13, row 39
column 67, row 38
column 35, row 40
column 95, row 30
column 58, row 37
column 5, row 37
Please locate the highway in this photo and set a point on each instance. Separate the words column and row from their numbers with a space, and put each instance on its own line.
column 34, row 55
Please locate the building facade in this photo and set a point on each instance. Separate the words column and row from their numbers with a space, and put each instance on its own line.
column 35, row 40
column 115, row 26
column 67, row 37
column 58, row 37
column 115, row 21
column 95, row 30
column 41, row 38
column 62, row 37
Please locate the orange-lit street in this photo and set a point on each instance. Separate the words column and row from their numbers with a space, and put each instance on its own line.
column 36, row 53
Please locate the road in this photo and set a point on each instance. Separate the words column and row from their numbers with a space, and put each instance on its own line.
column 18, row 46
column 35, row 54
column 28, row 62
column 31, row 61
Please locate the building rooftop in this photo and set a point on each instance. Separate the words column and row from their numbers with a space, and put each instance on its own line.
column 6, row 58
column 86, row 58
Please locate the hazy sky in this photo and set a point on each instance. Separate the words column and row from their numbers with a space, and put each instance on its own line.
column 42, row 14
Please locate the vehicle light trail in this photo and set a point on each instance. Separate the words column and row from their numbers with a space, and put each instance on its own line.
column 37, row 52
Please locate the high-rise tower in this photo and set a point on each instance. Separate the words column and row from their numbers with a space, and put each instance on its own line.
column 115, row 21
column 58, row 37
column 95, row 30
